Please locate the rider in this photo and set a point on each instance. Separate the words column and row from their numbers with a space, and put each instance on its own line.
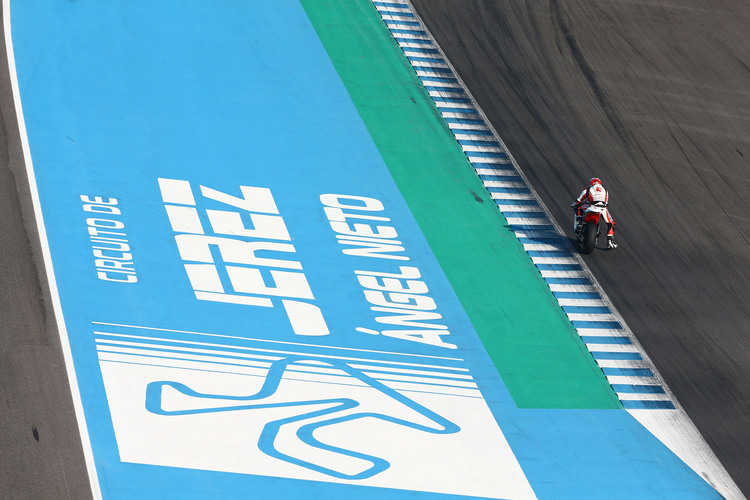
column 595, row 194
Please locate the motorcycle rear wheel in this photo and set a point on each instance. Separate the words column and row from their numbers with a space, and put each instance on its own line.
column 588, row 241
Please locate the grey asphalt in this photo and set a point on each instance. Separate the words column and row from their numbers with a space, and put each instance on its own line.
column 653, row 97
column 40, row 449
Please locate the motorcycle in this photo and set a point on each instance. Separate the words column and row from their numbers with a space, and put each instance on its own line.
column 586, row 226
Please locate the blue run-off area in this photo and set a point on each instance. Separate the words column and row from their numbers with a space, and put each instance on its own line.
column 201, row 172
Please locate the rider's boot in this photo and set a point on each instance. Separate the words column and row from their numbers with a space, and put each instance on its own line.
column 611, row 242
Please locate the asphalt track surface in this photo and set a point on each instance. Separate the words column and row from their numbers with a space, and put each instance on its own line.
column 40, row 447
column 653, row 97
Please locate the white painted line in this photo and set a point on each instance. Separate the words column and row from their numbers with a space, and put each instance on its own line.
column 528, row 221
column 520, row 208
column 506, row 184
column 563, row 274
column 578, row 288
column 497, row 171
column 612, row 348
column 582, row 302
column 466, row 126
column 558, row 260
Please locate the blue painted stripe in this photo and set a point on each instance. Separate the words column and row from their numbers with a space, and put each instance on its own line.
column 568, row 281
column 401, row 31
column 546, row 253
column 418, row 41
column 461, row 100
column 465, row 121
column 435, row 60
column 647, row 405
column 390, row 22
column 638, row 389
column 597, row 324
column 630, row 356
column 577, row 295
column 469, row 131
column 455, row 90
column 489, row 154
column 474, row 142
column 627, row 372
column 391, row 4
column 440, row 79
column 515, row 202
column 560, row 267
column 596, row 339
column 466, row 111
column 587, row 309
column 420, row 50
column 431, row 69
column 548, row 241
column 395, row 14
column 533, row 227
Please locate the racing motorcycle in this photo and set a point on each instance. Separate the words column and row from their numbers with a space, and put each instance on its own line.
column 586, row 226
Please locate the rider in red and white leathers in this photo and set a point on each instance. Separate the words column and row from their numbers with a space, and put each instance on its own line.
column 596, row 194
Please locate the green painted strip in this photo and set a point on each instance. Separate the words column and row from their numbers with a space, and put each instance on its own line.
column 534, row 346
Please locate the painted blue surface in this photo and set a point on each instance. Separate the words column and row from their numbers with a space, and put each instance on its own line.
column 116, row 96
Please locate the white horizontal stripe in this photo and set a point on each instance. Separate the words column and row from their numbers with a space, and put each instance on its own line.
column 472, row 126
column 581, row 302
column 592, row 317
column 412, row 36
column 411, row 45
column 639, row 396
column 468, row 149
column 622, row 363
column 557, row 260
column 513, row 196
column 538, row 235
column 519, row 208
column 398, row 26
column 529, row 221
column 601, row 332
column 461, row 105
column 542, row 247
column 499, row 171
column 612, row 348
column 392, row 8
column 572, row 288
column 446, row 94
column 480, row 159
column 562, row 274
column 434, row 64
column 506, row 184
column 473, row 137
column 617, row 379
column 448, row 114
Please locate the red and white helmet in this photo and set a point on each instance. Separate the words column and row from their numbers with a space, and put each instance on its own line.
column 595, row 180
